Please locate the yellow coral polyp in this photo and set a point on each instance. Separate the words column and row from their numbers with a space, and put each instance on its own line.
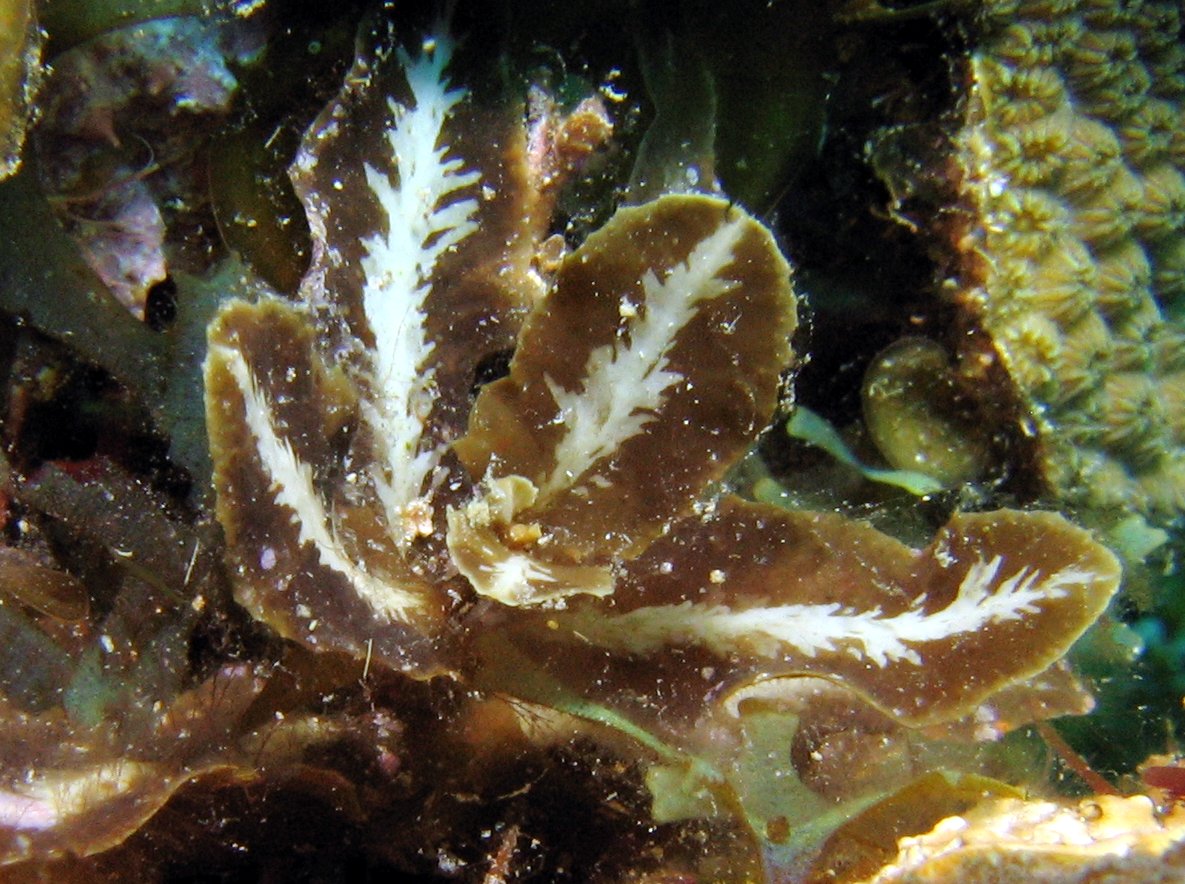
column 1025, row 221
column 1121, row 270
column 1109, row 215
column 1130, row 416
column 1162, row 209
column 1093, row 156
column 1172, row 402
column 1164, row 486
column 1074, row 160
column 1169, row 273
column 1091, row 334
column 1168, row 356
column 1096, row 57
column 1123, row 94
column 1076, row 374
column 1037, row 343
column 1132, row 331
column 1034, row 153
column 1176, row 149
column 1084, row 346
column 1060, row 285
column 1166, row 66
column 1021, row 95
column 1105, row 13
column 1045, row 8
column 1036, row 46
column 1148, row 134
column 1158, row 25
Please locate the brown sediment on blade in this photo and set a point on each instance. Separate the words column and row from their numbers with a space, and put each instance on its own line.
column 648, row 370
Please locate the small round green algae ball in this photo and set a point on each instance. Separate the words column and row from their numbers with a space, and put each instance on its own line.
column 914, row 415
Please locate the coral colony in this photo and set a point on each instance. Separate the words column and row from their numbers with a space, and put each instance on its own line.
column 1073, row 158
column 570, row 517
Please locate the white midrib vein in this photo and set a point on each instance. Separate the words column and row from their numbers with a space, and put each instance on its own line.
column 292, row 483
column 625, row 383
column 422, row 225
column 810, row 630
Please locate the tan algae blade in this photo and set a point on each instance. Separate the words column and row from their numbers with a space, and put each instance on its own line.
column 424, row 228
column 647, row 371
column 315, row 567
column 925, row 635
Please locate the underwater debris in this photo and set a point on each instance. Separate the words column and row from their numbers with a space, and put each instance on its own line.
column 72, row 22
column 84, row 795
column 1073, row 172
column 45, row 280
column 100, row 723
column 809, row 427
column 561, row 144
column 44, row 277
column 865, row 844
column 108, row 712
column 26, row 579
